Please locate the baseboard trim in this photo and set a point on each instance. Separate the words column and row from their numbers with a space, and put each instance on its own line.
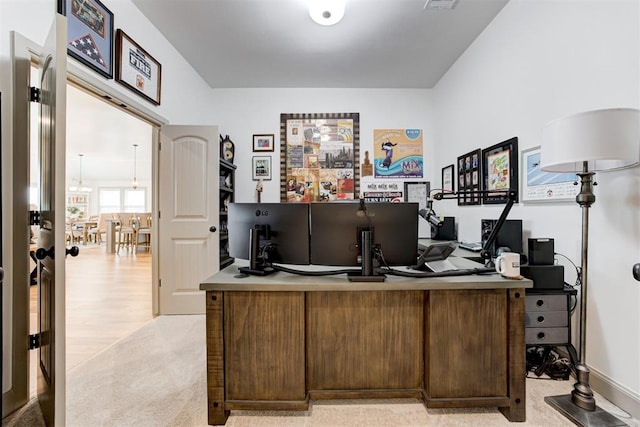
column 620, row 396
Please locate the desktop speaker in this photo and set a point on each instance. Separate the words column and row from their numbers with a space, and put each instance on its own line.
column 447, row 231
column 541, row 252
column 544, row 276
column 509, row 236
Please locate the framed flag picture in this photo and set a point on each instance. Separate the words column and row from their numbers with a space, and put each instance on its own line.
column 136, row 69
column 90, row 34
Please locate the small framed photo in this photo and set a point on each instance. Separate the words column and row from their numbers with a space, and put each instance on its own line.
column 448, row 182
column 417, row 192
column 136, row 69
column 262, row 143
column 89, row 34
column 500, row 171
column 261, row 167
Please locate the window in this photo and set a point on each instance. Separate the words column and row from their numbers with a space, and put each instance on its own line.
column 123, row 200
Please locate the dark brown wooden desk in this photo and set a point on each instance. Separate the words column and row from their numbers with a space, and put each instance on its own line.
column 275, row 342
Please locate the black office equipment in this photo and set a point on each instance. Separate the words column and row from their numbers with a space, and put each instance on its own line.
column 337, row 232
column 434, row 258
column 266, row 233
column 446, row 231
column 541, row 251
column 544, row 276
column 509, row 236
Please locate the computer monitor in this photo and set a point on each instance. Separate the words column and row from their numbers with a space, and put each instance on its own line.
column 267, row 233
column 336, row 232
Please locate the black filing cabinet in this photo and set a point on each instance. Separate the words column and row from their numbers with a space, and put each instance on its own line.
column 548, row 318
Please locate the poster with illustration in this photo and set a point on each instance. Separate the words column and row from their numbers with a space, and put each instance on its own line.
column 398, row 153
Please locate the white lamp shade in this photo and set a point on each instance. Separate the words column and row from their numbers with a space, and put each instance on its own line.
column 607, row 139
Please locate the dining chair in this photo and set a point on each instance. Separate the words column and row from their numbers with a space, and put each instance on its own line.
column 143, row 238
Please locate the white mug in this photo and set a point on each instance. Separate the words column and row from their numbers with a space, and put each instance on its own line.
column 508, row 264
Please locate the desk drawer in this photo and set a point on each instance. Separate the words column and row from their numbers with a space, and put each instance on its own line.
column 546, row 319
column 546, row 336
column 541, row 302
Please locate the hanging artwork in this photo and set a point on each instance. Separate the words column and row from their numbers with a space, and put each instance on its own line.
column 500, row 170
column 319, row 155
column 398, row 153
column 468, row 177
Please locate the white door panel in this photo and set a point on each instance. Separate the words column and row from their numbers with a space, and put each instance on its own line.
column 188, row 250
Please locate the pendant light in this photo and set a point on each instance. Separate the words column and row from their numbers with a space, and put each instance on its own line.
column 134, row 184
column 80, row 188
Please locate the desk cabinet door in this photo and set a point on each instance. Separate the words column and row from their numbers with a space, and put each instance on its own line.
column 264, row 346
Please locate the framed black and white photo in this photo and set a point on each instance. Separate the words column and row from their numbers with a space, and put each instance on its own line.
column 448, row 181
column 500, row 170
column 89, row 34
column 136, row 69
column 417, row 192
column 261, row 167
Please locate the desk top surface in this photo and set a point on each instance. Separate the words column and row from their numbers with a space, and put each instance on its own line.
column 228, row 280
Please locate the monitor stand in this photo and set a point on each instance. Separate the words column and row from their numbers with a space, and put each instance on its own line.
column 256, row 265
column 366, row 273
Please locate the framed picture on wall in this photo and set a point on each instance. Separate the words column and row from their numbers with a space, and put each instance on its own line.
column 500, row 170
column 448, row 181
column 319, row 157
column 262, row 143
column 468, row 170
column 261, row 167
column 540, row 186
column 136, row 69
column 89, row 34
column 417, row 192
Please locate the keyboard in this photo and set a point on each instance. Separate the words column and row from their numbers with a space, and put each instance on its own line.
column 474, row 247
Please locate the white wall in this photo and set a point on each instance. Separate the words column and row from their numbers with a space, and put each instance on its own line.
column 539, row 60
column 244, row 112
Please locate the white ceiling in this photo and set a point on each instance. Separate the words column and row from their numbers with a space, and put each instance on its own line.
column 105, row 136
column 274, row 43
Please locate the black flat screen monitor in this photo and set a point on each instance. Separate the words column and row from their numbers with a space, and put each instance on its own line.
column 288, row 236
column 336, row 229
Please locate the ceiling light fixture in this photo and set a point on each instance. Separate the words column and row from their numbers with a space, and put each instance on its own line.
column 134, row 184
column 80, row 188
column 326, row 12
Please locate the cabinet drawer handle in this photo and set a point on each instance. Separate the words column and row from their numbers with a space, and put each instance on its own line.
column 540, row 319
column 540, row 302
column 540, row 335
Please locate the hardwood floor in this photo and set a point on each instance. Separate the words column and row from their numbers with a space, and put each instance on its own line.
column 108, row 296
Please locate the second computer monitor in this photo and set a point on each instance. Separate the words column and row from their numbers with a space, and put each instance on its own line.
column 336, row 232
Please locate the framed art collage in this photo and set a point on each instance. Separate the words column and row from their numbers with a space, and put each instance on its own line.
column 319, row 154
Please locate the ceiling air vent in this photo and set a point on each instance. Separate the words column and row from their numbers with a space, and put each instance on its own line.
column 439, row 4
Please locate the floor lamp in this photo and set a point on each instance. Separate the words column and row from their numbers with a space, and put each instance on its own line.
column 599, row 140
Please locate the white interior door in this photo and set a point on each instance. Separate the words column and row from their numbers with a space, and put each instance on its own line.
column 188, row 249
column 51, row 241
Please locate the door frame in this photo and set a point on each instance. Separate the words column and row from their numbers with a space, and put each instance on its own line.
column 89, row 83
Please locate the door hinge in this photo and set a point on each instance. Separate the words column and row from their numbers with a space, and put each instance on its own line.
column 158, row 215
column 34, row 217
column 159, row 283
column 34, row 341
column 34, row 94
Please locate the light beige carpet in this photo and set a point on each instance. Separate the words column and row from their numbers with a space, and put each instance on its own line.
column 157, row 377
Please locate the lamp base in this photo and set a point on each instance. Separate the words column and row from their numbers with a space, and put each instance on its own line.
column 582, row 417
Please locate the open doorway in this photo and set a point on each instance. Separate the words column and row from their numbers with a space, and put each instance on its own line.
column 108, row 293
